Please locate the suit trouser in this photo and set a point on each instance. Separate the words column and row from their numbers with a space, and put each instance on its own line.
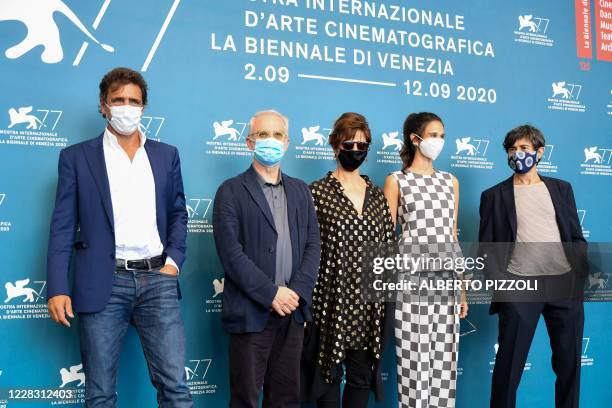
column 268, row 359
column 517, row 325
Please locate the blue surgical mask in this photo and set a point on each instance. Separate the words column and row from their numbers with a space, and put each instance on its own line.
column 269, row 151
column 521, row 161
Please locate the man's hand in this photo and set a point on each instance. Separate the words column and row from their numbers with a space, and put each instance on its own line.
column 281, row 310
column 285, row 301
column 169, row 270
column 59, row 307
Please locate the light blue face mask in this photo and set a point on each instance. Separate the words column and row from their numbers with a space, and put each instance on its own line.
column 269, row 151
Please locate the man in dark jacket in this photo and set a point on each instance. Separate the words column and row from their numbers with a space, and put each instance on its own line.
column 530, row 224
column 267, row 237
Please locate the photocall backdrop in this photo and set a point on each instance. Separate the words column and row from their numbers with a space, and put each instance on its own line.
column 484, row 66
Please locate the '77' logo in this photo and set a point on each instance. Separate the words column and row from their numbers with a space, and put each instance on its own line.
column 198, row 207
column 152, row 125
column 192, row 370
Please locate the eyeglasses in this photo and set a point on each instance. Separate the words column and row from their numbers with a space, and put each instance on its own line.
column 264, row 134
column 350, row 144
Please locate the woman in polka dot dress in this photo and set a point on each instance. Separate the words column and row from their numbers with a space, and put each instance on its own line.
column 347, row 333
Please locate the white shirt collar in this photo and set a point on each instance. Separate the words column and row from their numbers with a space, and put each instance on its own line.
column 111, row 140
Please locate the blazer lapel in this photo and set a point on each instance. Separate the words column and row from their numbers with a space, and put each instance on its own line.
column 158, row 175
column 555, row 197
column 252, row 185
column 292, row 218
column 94, row 153
column 508, row 198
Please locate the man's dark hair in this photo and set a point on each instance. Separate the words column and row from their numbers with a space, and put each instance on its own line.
column 528, row 132
column 119, row 77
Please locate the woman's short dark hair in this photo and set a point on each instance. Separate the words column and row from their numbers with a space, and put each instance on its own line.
column 528, row 132
column 345, row 128
column 415, row 123
column 122, row 76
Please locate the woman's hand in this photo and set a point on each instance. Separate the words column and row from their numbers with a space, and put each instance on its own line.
column 463, row 305
column 463, row 309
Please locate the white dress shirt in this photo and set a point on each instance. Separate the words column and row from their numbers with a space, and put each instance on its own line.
column 132, row 189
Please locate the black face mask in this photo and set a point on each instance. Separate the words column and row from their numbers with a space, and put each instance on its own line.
column 351, row 159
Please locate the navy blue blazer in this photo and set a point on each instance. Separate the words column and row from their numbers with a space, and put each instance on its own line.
column 83, row 202
column 498, row 224
column 245, row 237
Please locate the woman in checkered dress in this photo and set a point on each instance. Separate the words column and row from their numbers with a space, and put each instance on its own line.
column 424, row 201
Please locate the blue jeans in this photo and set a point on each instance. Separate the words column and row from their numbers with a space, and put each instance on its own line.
column 149, row 301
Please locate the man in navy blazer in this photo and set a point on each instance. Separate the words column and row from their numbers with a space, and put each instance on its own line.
column 267, row 237
column 120, row 208
column 529, row 229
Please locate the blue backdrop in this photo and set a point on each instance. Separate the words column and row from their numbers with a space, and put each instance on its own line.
column 484, row 66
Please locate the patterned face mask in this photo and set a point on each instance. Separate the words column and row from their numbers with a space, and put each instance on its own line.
column 521, row 161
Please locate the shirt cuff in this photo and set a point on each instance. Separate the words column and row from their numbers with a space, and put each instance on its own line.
column 170, row 261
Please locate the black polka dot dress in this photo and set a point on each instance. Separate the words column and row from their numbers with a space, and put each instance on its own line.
column 344, row 321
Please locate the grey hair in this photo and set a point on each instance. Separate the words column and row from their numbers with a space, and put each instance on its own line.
column 269, row 112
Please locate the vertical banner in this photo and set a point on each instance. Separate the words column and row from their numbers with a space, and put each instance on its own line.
column 584, row 42
column 603, row 29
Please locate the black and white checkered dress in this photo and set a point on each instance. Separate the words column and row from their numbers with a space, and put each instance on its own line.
column 426, row 322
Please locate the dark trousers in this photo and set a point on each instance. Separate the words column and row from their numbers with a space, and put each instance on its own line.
column 359, row 373
column 517, row 325
column 271, row 359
